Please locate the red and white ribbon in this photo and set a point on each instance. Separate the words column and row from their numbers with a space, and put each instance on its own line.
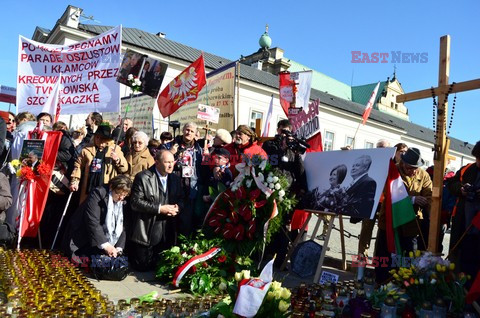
column 194, row 260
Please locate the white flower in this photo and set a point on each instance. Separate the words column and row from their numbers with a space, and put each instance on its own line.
column 137, row 82
column 433, row 281
column 263, row 165
column 269, row 179
column 130, row 77
column 275, row 179
column 270, row 174
column 184, row 254
column 246, row 274
column 271, row 185
column 261, row 177
column 277, row 186
column 234, row 187
column 249, row 183
column 281, row 193
column 420, row 280
column 238, row 276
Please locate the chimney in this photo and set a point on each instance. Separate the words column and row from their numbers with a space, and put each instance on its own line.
column 161, row 35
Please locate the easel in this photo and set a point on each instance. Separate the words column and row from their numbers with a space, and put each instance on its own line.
column 442, row 142
column 319, row 215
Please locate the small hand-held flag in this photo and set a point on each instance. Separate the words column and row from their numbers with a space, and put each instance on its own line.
column 183, row 89
column 370, row 103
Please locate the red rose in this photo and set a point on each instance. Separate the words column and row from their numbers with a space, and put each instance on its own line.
column 222, row 259
column 214, row 222
column 193, row 269
column 241, row 193
column 43, row 169
column 217, row 230
column 27, row 173
column 204, row 264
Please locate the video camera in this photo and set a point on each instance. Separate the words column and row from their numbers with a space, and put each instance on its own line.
column 298, row 145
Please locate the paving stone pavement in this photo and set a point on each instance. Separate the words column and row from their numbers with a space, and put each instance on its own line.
column 138, row 284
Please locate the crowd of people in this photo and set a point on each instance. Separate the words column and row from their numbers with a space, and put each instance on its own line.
column 135, row 195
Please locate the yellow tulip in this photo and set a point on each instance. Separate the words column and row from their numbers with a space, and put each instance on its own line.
column 417, row 253
column 410, row 254
column 451, row 266
column 238, row 276
column 438, row 267
column 416, row 281
column 270, row 295
column 405, row 276
column 283, row 306
column 246, row 274
column 396, row 276
column 285, row 294
column 444, row 269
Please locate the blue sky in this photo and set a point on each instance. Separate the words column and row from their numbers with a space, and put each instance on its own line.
column 319, row 34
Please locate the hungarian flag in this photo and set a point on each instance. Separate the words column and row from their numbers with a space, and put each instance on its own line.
column 37, row 191
column 252, row 292
column 183, row 89
column 398, row 207
column 370, row 103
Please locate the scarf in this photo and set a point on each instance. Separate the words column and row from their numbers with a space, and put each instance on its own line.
column 113, row 226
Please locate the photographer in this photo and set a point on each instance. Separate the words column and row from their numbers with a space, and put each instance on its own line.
column 284, row 152
column 466, row 185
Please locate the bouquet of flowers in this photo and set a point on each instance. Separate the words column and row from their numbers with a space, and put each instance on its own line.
column 26, row 173
column 431, row 277
column 207, row 277
column 275, row 304
column 135, row 83
column 246, row 215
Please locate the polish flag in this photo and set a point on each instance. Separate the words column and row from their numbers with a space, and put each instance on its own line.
column 370, row 103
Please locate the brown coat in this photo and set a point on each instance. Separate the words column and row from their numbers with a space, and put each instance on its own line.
column 418, row 185
column 81, row 168
column 139, row 161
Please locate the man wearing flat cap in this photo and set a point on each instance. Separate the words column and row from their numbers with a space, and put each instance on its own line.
column 244, row 146
column 98, row 163
column 419, row 188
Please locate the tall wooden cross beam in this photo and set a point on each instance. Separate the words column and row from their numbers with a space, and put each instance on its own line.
column 441, row 142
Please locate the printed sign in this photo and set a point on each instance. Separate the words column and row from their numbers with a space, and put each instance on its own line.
column 208, row 113
column 87, row 72
column 328, row 278
column 32, row 152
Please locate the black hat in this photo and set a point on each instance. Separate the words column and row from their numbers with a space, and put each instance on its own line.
column 413, row 158
column 221, row 152
column 104, row 131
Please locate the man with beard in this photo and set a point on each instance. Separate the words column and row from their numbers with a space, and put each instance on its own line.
column 188, row 157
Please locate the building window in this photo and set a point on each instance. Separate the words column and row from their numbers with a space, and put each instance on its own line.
column 368, row 145
column 254, row 115
column 391, row 104
column 349, row 142
column 328, row 142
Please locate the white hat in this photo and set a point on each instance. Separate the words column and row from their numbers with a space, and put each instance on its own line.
column 224, row 136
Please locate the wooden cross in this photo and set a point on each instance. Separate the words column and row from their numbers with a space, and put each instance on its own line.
column 207, row 130
column 442, row 143
column 258, row 131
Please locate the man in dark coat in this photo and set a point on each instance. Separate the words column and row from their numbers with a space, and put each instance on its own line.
column 156, row 202
column 361, row 191
column 466, row 186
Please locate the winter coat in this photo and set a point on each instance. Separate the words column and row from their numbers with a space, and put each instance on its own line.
column 139, row 161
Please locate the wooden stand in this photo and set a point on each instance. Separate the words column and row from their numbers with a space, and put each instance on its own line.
column 319, row 215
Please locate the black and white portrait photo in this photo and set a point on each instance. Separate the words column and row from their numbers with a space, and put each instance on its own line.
column 347, row 182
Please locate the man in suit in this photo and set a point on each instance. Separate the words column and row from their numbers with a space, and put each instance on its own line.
column 156, row 202
column 361, row 191
column 153, row 80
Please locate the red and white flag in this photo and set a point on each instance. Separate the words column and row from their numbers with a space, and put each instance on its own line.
column 183, row 89
column 37, row 191
column 268, row 119
column 252, row 293
column 370, row 103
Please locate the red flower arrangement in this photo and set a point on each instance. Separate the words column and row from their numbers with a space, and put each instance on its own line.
column 26, row 173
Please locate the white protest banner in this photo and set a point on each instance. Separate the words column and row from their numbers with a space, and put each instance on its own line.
column 140, row 111
column 306, row 123
column 88, row 74
column 208, row 113
column 221, row 91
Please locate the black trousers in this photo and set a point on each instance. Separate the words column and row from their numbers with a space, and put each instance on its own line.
column 144, row 258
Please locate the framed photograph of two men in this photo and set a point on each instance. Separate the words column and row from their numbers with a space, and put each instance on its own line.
column 347, row 182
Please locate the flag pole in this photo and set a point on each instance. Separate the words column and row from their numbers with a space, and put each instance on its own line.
column 61, row 220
